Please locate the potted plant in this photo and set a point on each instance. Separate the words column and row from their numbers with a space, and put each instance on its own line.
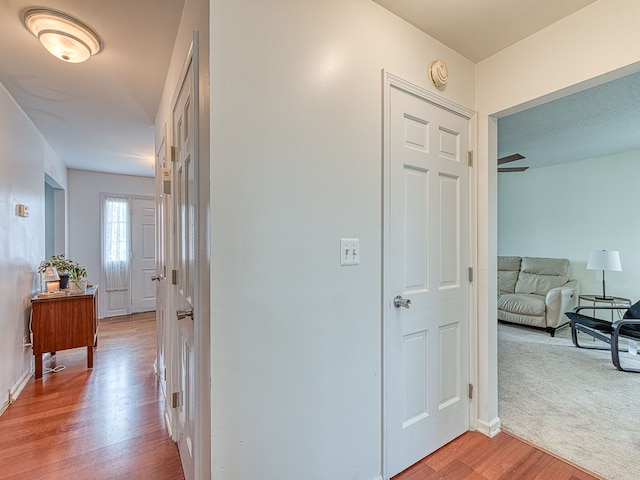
column 68, row 270
column 78, row 279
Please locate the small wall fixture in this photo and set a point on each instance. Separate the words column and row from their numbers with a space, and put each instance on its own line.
column 438, row 73
column 64, row 36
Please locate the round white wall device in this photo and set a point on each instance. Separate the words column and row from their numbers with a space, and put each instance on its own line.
column 438, row 73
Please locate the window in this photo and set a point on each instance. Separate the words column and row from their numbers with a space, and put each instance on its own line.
column 116, row 243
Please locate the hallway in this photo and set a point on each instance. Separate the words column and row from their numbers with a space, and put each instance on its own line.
column 104, row 423
column 107, row 423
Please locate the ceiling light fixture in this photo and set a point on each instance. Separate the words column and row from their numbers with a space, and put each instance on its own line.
column 64, row 36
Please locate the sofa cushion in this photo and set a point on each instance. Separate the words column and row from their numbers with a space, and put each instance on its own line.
column 539, row 275
column 508, row 269
column 523, row 304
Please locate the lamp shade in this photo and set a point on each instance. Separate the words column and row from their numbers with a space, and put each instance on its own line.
column 51, row 274
column 604, row 260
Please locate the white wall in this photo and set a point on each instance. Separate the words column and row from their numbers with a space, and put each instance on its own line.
column 568, row 210
column 296, row 165
column 25, row 159
column 84, row 214
column 594, row 45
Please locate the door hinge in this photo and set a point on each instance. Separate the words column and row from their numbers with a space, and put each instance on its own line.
column 174, row 277
column 165, row 374
column 166, row 180
column 174, row 157
column 470, row 274
column 470, row 158
column 176, row 399
column 470, row 391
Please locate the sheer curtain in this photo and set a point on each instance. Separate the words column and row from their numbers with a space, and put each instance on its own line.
column 116, row 243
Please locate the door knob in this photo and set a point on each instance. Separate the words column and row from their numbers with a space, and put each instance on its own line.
column 155, row 277
column 398, row 302
column 185, row 313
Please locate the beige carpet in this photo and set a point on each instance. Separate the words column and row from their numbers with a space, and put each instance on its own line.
column 569, row 401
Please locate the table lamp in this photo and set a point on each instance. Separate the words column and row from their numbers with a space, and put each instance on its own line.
column 604, row 260
column 51, row 279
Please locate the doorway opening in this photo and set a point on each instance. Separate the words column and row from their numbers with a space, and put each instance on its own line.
column 54, row 218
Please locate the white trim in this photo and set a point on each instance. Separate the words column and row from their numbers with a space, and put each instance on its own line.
column 430, row 97
column 168, row 420
column 201, row 454
column 473, row 263
column 16, row 389
column 386, row 207
column 490, row 429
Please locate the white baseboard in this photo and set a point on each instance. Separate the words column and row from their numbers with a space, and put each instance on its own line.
column 490, row 429
column 16, row 389
column 167, row 421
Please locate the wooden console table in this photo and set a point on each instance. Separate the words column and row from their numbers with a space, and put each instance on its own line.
column 60, row 323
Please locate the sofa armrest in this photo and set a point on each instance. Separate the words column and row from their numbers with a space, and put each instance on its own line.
column 559, row 300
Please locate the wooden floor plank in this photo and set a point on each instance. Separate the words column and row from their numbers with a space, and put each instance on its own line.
column 474, row 456
column 105, row 423
column 108, row 423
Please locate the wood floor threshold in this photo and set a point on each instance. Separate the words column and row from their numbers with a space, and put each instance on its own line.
column 548, row 452
column 474, row 456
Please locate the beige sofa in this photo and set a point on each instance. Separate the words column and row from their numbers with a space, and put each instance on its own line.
column 535, row 291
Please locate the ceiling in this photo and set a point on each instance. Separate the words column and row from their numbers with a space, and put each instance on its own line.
column 600, row 121
column 479, row 28
column 99, row 115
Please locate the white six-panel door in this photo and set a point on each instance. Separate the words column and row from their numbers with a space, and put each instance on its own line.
column 426, row 367
column 184, row 204
column 163, row 242
column 143, row 260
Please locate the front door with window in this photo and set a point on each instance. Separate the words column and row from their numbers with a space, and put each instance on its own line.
column 116, row 253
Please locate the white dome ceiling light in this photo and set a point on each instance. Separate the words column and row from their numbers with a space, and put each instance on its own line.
column 65, row 37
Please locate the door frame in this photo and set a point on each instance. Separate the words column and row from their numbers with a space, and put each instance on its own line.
column 164, row 338
column 392, row 81
column 201, row 286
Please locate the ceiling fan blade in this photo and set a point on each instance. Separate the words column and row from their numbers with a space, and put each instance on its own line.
column 510, row 158
column 511, row 169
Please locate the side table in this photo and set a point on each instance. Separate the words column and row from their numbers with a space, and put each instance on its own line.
column 60, row 323
column 614, row 302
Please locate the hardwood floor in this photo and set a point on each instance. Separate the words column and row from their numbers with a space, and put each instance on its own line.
column 473, row 456
column 105, row 423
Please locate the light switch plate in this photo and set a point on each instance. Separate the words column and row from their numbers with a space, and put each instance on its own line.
column 349, row 251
